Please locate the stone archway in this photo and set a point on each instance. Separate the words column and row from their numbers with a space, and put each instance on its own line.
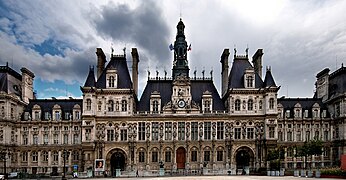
column 117, row 160
column 244, row 157
column 181, row 158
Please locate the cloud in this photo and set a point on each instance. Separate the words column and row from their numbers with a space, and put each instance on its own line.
column 142, row 26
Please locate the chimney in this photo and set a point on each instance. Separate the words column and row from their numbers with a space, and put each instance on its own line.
column 27, row 84
column 101, row 61
column 257, row 62
column 224, row 71
column 135, row 61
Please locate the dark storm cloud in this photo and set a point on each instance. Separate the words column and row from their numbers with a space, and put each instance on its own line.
column 142, row 26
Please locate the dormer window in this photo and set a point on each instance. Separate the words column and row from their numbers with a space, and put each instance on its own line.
column 111, row 81
column 155, row 106
column 123, row 105
column 88, row 104
column 57, row 115
column 250, row 105
column 207, row 102
column 249, row 81
column 271, row 103
column 155, row 102
column 111, row 78
column 110, row 105
column 297, row 113
column 207, row 106
column 237, row 105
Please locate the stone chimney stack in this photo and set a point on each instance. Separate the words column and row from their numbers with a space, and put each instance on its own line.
column 101, row 61
column 27, row 84
column 257, row 62
column 135, row 61
column 224, row 71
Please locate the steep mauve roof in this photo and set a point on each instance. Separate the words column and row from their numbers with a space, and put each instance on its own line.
column 124, row 79
column 269, row 80
column 236, row 76
column 306, row 104
column 164, row 87
column 90, row 81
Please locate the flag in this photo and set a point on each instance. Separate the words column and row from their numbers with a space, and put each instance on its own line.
column 189, row 49
column 171, row 47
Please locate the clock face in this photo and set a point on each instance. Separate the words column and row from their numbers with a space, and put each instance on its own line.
column 181, row 103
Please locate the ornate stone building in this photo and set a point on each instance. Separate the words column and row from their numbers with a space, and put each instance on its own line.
column 180, row 122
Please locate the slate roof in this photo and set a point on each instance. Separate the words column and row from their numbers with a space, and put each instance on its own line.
column 337, row 83
column 236, row 76
column 165, row 89
column 90, row 81
column 306, row 104
column 124, row 79
column 8, row 84
column 269, row 80
column 48, row 104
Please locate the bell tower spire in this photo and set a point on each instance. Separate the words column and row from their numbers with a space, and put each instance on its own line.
column 180, row 64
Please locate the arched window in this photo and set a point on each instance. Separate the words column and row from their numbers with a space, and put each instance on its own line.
column 111, row 81
column 123, row 105
column 237, row 105
column 88, row 104
column 250, row 105
column 110, row 106
column 271, row 103
column 155, row 106
column 249, row 81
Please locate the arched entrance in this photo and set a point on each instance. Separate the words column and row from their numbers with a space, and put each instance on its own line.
column 244, row 159
column 181, row 158
column 118, row 160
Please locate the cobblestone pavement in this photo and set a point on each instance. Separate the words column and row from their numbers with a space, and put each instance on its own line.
column 216, row 178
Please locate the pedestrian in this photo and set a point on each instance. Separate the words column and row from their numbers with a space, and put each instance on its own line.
column 137, row 174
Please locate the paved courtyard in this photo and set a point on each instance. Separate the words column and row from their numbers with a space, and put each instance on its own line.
column 216, row 178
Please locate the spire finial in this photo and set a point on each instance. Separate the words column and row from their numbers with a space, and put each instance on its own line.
column 112, row 50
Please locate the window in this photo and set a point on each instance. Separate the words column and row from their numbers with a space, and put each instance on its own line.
column 88, row 104
column 299, row 136
column 57, row 115
column 206, row 106
column 141, row 156
column 219, row 156
column 194, row 131
column 154, row 156
column 250, row 105
column 271, row 132
column 271, row 103
column 65, row 128
column 123, row 105
column 88, row 134
column 307, row 137
column 168, row 156
column 25, row 156
column 168, row 131
column 99, row 106
column 123, row 135
column 207, row 130
column 181, row 130
column 77, row 115
column 326, row 136
column 34, row 156
column 75, row 155
column 45, row 139
column 237, row 105
column 260, row 105
column 290, row 151
column 193, row 156
column 155, row 131
column 155, row 106
column 220, row 131
column 25, row 139
column 111, row 81
column 110, row 135
column 37, row 115
column 250, row 133
column 45, row 156
column 56, row 138
column 306, row 113
column 55, row 156
column 237, row 134
column 297, row 114
column 207, row 156
column 76, row 128
column 249, row 80
column 141, row 131
column 75, row 138
column 317, row 135
column 47, row 116
column 110, row 106
column 315, row 113
column 65, row 139
column 280, row 136
column 289, row 136
column 67, row 116
column 35, row 139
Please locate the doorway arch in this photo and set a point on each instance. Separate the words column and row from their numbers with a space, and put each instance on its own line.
column 181, row 158
column 244, row 158
column 117, row 160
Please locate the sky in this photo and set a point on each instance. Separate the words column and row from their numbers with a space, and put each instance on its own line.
column 57, row 39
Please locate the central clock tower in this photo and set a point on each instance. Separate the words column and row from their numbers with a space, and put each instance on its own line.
column 180, row 63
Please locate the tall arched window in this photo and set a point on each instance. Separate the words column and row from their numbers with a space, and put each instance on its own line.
column 237, row 105
column 110, row 105
column 111, row 81
column 271, row 103
column 250, row 105
column 123, row 105
column 249, row 81
column 88, row 104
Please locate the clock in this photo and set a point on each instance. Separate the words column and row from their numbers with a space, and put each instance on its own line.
column 181, row 103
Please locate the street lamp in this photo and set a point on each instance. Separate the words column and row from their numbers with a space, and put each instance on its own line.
column 3, row 157
column 65, row 155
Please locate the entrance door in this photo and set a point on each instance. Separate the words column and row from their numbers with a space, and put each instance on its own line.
column 243, row 159
column 117, row 161
column 180, row 157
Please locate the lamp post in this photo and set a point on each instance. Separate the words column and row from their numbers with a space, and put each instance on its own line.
column 65, row 155
column 3, row 157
